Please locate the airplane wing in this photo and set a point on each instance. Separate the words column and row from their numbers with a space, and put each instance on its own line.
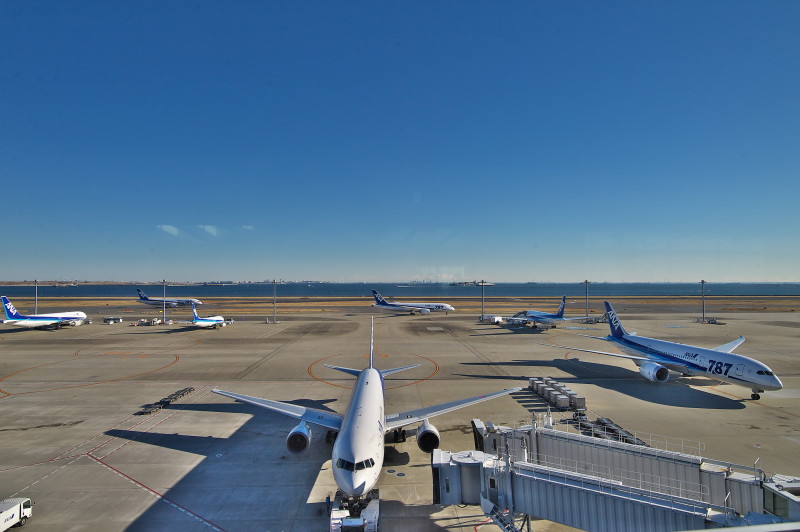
column 620, row 355
column 669, row 364
column 401, row 419
column 330, row 420
column 730, row 346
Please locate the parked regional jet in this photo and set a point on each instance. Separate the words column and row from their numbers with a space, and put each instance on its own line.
column 209, row 321
column 170, row 302
column 537, row 316
column 358, row 450
column 656, row 358
column 422, row 308
column 13, row 317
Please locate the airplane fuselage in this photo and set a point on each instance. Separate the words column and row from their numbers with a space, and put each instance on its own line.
column 718, row 365
column 358, row 451
column 44, row 320
column 416, row 307
column 171, row 302
column 210, row 321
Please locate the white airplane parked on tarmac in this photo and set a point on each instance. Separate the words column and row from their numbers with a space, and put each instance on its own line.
column 656, row 358
column 209, row 321
column 422, row 308
column 357, row 454
column 537, row 316
column 170, row 302
column 13, row 317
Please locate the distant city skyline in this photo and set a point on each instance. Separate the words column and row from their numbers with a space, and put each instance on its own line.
column 368, row 142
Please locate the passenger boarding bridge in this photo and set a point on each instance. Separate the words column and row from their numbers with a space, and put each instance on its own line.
column 605, row 483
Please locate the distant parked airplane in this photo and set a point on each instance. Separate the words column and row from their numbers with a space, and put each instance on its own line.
column 13, row 317
column 537, row 316
column 656, row 357
column 170, row 302
column 422, row 308
column 358, row 450
column 209, row 321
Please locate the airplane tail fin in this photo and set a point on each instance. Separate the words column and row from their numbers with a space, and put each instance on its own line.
column 617, row 330
column 378, row 298
column 560, row 312
column 10, row 310
column 194, row 312
column 142, row 295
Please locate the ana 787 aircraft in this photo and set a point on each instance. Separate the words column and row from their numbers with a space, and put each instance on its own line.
column 13, row 317
column 656, row 357
column 422, row 308
column 358, row 451
column 170, row 302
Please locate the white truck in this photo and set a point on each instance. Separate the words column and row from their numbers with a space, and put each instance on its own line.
column 15, row 512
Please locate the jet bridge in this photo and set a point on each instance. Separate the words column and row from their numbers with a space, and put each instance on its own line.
column 534, row 471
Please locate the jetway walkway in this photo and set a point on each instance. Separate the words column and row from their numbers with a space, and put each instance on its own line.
column 598, row 484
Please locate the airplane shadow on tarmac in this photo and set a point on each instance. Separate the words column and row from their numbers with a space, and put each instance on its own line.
column 674, row 392
column 247, row 480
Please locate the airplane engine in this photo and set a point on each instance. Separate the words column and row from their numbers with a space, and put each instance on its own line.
column 424, row 311
column 654, row 372
column 427, row 437
column 299, row 439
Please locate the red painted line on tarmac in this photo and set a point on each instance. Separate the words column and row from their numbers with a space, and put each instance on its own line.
column 157, row 494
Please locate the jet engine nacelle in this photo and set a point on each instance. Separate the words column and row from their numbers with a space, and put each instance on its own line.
column 654, row 372
column 299, row 439
column 427, row 437
column 424, row 311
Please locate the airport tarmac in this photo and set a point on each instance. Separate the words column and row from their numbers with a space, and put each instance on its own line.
column 69, row 438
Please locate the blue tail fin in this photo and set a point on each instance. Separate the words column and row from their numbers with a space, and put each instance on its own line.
column 560, row 312
column 194, row 312
column 10, row 310
column 142, row 295
column 617, row 330
column 378, row 298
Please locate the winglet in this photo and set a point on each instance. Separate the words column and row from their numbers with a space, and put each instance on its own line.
column 560, row 312
column 617, row 330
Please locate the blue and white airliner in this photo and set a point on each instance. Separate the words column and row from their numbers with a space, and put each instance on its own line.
column 357, row 454
column 209, row 321
column 537, row 316
column 170, row 302
column 656, row 358
column 422, row 308
column 57, row 319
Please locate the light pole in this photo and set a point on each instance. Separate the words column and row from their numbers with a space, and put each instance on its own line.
column 164, row 310
column 586, row 283
column 35, row 296
column 274, row 301
column 703, row 297
column 483, row 299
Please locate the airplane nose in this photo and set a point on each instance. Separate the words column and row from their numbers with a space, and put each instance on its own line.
column 776, row 383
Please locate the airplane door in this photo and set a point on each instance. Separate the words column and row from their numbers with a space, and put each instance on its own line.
column 739, row 370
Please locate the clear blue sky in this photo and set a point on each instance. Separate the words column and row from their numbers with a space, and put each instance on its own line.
column 515, row 141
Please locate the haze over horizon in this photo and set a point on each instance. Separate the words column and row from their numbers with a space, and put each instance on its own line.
column 362, row 142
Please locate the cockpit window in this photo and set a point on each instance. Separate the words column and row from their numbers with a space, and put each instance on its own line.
column 763, row 372
column 341, row 463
